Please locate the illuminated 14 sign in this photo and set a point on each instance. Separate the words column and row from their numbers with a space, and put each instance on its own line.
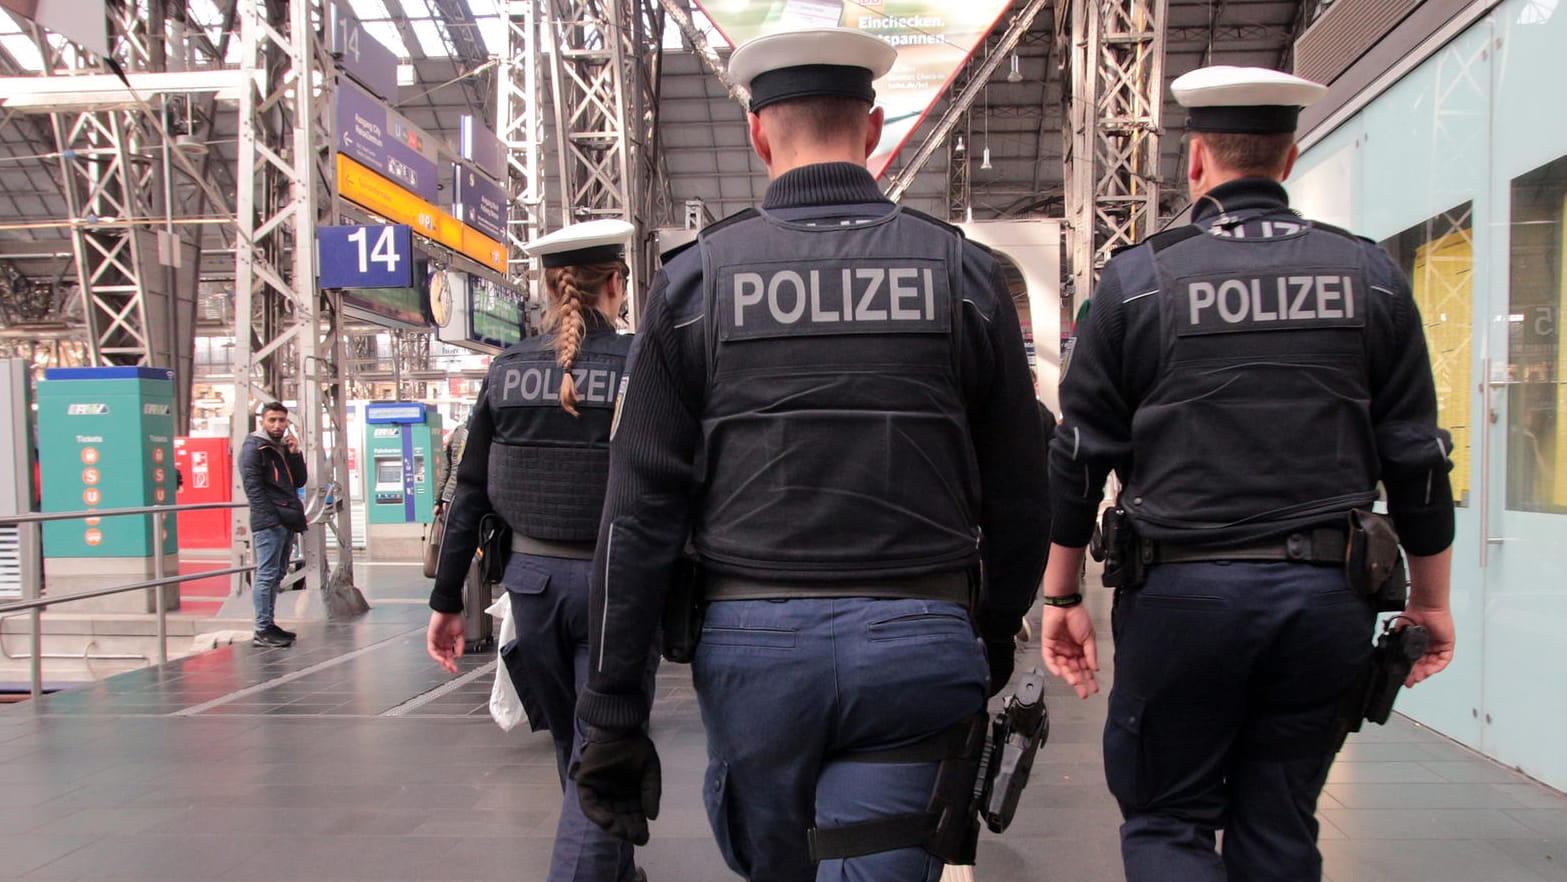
column 365, row 257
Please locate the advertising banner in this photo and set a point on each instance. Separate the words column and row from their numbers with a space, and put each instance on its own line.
column 933, row 37
column 368, row 134
column 479, row 202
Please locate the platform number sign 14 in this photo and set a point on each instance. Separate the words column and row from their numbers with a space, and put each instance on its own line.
column 365, row 257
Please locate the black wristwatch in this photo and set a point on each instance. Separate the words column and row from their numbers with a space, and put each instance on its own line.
column 1064, row 600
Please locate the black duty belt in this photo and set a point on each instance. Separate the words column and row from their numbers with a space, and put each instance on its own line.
column 1324, row 545
column 953, row 586
column 550, row 548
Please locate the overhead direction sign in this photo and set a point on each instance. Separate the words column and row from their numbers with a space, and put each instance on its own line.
column 369, row 133
column 365, row 257
column 478, row 201
column 364, row 187
column 934, row 39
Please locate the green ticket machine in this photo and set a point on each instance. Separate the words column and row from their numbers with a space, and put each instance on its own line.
column 106, row 440
column 402, row 446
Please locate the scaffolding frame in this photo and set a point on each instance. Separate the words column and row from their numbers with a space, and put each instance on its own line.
column 295, row 339
column 1115, row 55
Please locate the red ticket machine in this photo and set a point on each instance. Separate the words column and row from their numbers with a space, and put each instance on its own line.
column 205, row 475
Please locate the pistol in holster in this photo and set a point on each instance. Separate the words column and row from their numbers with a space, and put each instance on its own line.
column 1374, row 563
column 1117, row 545
column 984, row 765
column 494, row 548
column 1392, row 658
column 684, row 609
column 995, row 777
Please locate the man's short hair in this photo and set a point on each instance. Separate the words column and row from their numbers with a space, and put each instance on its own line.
column 1251, row 155
column 818, row 117
column 272, row 406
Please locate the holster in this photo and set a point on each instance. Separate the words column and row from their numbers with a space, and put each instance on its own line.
column 1374, row 563
column 949, row 826
column 1117, row 545
column 494, row 548
column 1017, row 734
column 1372, row 695
column 684, row 609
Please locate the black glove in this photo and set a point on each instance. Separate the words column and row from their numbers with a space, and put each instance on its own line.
column 619, row 782
column 1000, row 655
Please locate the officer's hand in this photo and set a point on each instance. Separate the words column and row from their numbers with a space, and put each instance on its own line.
column 1066, row 643
column 444, row 639
column 619, row 782
column 1438, row 623
column 1001, row 656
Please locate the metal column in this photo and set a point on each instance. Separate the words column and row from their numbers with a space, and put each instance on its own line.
column 520, row 124
column 1116, row 59
column 294, row 340
column 604, row 68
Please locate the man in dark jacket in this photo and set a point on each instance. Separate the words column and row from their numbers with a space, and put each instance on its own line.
column 273, row 470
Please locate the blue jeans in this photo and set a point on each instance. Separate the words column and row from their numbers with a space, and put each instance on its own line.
column 272, row 547
column 1225, row 676
column 549, row 602
column 791, row 690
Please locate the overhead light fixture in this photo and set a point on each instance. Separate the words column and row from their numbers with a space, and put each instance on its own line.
column 984, row 160
column 1015, row 75
column 109, row 92
column 190, row 145
column 958, row 147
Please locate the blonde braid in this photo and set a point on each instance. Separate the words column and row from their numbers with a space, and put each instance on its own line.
column 574, row 290
column 569, row 331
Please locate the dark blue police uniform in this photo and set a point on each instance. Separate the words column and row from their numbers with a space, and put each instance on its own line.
column 1251, row 377
column 543, row 471
column 830, row 398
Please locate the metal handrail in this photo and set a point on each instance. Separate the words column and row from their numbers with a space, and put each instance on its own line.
column 35, row 606
column 40, row 517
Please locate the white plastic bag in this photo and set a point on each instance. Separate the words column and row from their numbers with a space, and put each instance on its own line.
column 505, row 704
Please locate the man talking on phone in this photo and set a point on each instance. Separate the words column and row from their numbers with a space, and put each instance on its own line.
column 273, row 470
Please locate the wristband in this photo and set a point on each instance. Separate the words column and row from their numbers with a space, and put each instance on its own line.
column 1064, row 600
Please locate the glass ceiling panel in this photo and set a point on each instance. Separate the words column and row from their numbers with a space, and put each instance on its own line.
column 369, row 10
column 417, row 9
column 493, row 30
column 431, row 40
column 24, row 50
column 386, row 34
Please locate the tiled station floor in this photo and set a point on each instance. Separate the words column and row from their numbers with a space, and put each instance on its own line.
column 350, row 756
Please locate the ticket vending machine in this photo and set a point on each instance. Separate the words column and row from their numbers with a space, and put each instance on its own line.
column 402, row 444
column 106, row 441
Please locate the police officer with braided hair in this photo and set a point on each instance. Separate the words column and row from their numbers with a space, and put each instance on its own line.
column 1251, row 377
column 829, row 396
column 537, row 455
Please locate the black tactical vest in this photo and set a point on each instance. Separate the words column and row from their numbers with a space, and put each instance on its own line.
column 548, row 469
column 1258, row 420
column 836, row 441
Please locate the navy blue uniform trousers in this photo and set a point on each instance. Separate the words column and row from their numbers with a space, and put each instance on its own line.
column 791, row 690
column 549, row 602
column 1222, row 671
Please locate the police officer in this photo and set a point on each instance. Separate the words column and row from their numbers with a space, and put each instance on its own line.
column 1251, row 377
column 829, row 396
column 537, row 454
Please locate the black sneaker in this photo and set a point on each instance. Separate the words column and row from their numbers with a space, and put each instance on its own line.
column 279, row 631
column 272, row 636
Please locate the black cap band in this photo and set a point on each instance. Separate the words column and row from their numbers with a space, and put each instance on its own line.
column 584, row 256
column 806, row 80
column 1266, row 119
